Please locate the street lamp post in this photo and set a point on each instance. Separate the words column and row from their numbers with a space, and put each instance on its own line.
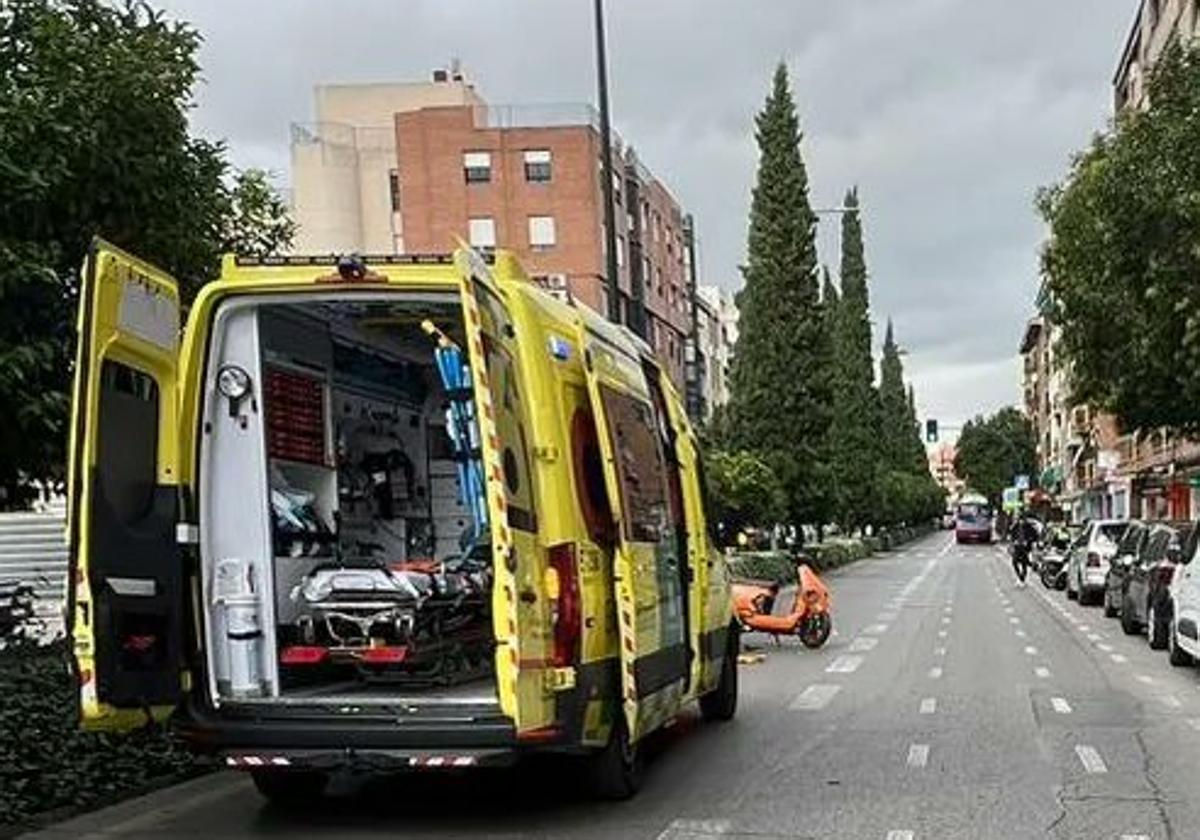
column 612, row 281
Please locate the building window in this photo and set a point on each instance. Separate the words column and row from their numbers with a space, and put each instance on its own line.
column 477, row 167
column 538, row 166
column 620, row 252
column 481, row 232
column 542, row 233
column 394, row 189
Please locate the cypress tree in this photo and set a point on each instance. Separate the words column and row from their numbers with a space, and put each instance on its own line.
column 779, row 392
column 916, row 446
column 854, row 434
column 895, row 431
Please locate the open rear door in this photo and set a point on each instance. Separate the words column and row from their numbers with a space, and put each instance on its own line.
column 124, row 602
column 650, row 597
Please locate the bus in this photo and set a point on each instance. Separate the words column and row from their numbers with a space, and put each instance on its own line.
column 973, row 519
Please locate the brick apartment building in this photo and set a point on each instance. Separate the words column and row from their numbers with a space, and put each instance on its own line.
column 529, row 180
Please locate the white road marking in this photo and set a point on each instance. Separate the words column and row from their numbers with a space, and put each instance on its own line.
column 1094, row 637
column 1104, row 647
column 935, row 673
column 900, row 834
column 1118, row 658
column 875, row 629
column 863, row 644
column 1041, row 672
column 1171, row 701
column 814, row 697
column 1010, row 609
column 844, row 665
column 1090, row 759
column 1031, row 650
column 1014, row 620
column 1020, row 634
column 1060, row 705
column 929, row 705
column 1142, row 678
column 1194, row 723
column 945, row 619
column 918, row 755
column 939, row 651
column 1083, row 628
column 1135, row 837
column 695, row 829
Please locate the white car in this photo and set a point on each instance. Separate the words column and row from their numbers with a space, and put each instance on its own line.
column 1088, row 559
column 1183, row 626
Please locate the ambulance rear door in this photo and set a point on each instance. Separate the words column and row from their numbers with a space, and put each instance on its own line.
column 125, row 579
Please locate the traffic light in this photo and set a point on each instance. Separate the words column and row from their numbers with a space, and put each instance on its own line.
column 931, row 431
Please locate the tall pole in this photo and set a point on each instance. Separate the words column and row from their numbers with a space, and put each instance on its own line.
column 606, row 171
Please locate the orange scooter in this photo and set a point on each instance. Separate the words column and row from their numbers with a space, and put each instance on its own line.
column 809, row 618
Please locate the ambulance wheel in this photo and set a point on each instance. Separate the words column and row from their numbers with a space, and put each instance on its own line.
column 290, row 787
column 721, row 703
column 615, row 773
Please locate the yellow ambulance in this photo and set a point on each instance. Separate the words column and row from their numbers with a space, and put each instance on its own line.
column 388, row 513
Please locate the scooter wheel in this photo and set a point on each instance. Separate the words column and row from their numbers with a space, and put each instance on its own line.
column 1048, row 578
column 815, row 630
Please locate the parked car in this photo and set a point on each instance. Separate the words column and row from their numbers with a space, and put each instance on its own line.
column 1118, row 570
column 1183, row 621
column 1087, row 564
column 1146, row 600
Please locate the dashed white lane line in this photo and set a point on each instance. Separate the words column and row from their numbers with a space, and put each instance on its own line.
column 1042, row 673
column 898, row 833
column 1060, row 705
column 844, row 664
column 875, row 629
column 1010, row 609
column 935, row 673
column 1094, row 637
column 1090, row 759
column 695, row 829
column 1104, row 647
column 1083, row 628
column 918, row 755
column 863, row 644
column 1119, row 658
column 1142, row 678
column 943, row 634
column 814, row 698
column 1135, row 837
column 1020, row 634
column 1194, row 723
column 929, row 705
column 945, row 619
column 1014, row 620
column 1031, row 650
column 1171, row 701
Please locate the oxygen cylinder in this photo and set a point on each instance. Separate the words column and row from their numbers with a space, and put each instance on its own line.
column 240, row 656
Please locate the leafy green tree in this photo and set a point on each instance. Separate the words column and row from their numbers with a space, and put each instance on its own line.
column 1123, row 255
column 743, row 491
column 94, row 140
column 854, row 430
column 259, row 223
column 779, row 392
column 993, row 451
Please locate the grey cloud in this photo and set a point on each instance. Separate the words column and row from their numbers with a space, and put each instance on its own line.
column 948, row 114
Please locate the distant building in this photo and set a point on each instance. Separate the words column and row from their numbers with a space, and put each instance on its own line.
column 716, row 329
column 344, row 173
column 1157, row 24
column 941, row 467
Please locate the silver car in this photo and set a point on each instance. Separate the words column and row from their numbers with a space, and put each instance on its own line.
column 1089, row 558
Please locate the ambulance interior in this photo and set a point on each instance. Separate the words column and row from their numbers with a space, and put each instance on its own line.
column 341, row 553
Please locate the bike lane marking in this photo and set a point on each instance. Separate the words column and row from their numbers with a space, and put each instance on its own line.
column 1090, row 758
column 844, row 664
column 814, row 698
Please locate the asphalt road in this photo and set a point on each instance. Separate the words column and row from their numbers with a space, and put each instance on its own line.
column 948, row 704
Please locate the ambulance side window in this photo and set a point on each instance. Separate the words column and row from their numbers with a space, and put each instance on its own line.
column 127, row 445
column 640, row 467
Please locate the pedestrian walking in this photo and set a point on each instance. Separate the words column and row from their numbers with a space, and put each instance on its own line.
column 1022, row 537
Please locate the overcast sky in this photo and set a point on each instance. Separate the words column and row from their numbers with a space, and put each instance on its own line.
column 948, row 114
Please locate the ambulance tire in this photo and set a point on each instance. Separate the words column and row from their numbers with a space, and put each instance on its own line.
column 293, row 788
column 615, row 772
column 720, row 704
